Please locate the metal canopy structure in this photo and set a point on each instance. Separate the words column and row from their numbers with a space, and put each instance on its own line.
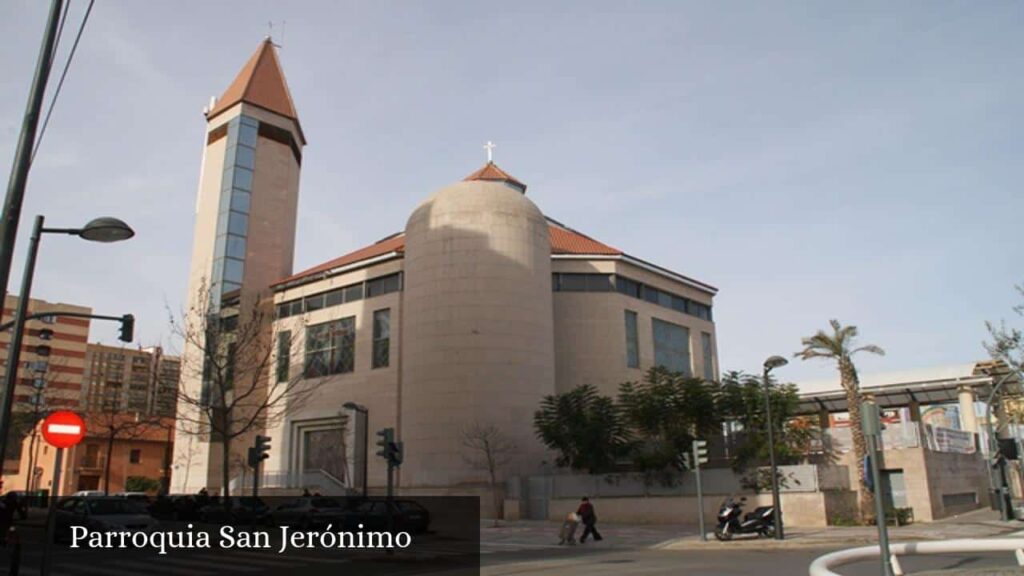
column 894, row 390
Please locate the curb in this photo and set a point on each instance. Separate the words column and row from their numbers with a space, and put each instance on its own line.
column 716, row 546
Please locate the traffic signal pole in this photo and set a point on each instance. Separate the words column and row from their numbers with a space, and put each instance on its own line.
column 257, row 454
column 871, row 425
column 700, row 506
column 700, row 456
column 393, row 453
column 51, row 514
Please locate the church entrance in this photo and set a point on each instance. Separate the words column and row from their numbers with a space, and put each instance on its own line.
column 319, row 454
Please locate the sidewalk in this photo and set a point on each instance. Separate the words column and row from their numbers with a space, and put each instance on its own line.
column 976, row 524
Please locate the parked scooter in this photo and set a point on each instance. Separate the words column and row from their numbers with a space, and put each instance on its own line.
column 760, row 521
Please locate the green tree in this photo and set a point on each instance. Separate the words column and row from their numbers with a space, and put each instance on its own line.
column 585, row 428
column 141, row 484
column 741, row 401
column 839, row 347
column 1007, row 344
column 667, row 411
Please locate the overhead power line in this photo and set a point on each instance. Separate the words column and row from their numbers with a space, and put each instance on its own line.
column 63, row 74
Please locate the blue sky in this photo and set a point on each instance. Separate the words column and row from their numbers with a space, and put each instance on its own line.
column 811, row 160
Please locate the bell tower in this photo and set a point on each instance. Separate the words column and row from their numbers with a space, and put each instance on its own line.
column 245, row 220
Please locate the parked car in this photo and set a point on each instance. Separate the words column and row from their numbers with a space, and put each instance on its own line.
column 101, row 514
column 21, row 499
column 136, row 496
column 243, row 509
column 308, row 512
column 409, row 516
column 89, row 493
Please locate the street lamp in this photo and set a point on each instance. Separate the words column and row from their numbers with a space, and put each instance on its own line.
column 98, row 230
column 366, row 439
column 770, row 364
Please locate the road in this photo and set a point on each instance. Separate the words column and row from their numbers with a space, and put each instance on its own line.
column 505, row 551
column 595, row 562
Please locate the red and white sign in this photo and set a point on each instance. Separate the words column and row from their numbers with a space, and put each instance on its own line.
column 63, row 429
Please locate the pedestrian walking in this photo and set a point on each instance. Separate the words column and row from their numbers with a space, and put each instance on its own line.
column 589, row 518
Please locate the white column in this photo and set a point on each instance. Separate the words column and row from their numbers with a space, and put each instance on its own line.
column 968, row 415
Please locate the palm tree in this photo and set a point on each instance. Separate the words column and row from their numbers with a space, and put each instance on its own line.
column 839, row 346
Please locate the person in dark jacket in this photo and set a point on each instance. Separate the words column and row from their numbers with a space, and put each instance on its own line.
column 589, row 519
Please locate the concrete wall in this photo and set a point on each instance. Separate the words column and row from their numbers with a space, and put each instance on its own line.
column 590, row 332
column 928, row 476
column 813, row 509
column 956, row 475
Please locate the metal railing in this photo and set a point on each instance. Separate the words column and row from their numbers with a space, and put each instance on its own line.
column 823, row 565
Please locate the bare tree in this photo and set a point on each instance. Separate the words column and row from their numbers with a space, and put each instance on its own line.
column 231, row 350
column 113, row 423
column 29, row 412
column 487, row 448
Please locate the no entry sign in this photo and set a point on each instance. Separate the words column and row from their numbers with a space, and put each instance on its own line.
column 63, row 429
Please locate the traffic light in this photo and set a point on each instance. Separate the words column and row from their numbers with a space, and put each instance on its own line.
column 397, row 453
column 258, row 452
column 385, row 438
column 684, row 462
column 700, row 452
column 127, row 328
column 392, row 451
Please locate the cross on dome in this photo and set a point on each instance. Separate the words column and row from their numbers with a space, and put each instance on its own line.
column 490, row 146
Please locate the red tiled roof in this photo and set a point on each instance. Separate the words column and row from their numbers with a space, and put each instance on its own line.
column 563, row 241
column 394, row 243
column 567, row 241
column 490, row 171
column 260, row 83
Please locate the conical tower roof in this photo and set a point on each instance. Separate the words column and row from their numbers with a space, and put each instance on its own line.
column 260, row 83
column 491, row 172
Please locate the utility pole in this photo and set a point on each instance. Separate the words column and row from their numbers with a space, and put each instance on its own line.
column 26, row 144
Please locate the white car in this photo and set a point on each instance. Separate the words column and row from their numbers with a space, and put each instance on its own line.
column 89, row 493
column 102, row 514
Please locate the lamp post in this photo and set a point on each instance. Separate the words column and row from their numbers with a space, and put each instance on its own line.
column 770, row 364
column 99, row 230
column 366, row 440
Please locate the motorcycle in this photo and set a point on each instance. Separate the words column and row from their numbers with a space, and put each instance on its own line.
column 760, row 521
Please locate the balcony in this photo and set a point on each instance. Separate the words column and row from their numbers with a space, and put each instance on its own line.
column 96, row 462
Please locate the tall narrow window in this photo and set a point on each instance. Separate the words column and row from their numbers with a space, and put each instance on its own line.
column 284, row 354
column 381, row 338
column 632, row 344
column 672, row 346
column 709, row 364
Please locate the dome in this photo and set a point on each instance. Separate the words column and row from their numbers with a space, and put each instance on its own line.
column 478, row 338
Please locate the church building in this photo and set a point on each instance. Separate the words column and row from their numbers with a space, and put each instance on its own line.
column 467, row 318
